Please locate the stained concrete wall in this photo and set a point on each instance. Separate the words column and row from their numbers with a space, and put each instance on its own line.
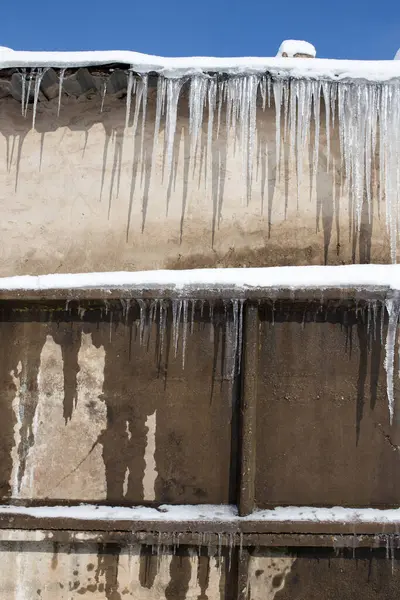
column 93, row 409
column 92, row 412
column 49, row 571
column 76, row 196
column 323, row 430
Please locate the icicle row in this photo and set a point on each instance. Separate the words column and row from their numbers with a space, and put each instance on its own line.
column 183, row 311
column 368, row 116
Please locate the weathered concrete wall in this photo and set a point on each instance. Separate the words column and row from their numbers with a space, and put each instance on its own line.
column 323, row 431
column 51, row 571
column 76, row 196
column 91, row 413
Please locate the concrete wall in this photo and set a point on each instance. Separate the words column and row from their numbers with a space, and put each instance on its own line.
column 94, row 411
column 323, row 431
column 90, row 412
column 47, row 570
column 76, row 196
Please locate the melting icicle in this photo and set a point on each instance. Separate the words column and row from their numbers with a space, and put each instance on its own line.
column 393, row 309
column 103, row 95
column 176, row 321
column 142, row 325
column 28, row 93
column 128, row 98
column 60, row 89
column 38, row 81
column 185, row 327
column 23, row 89
column 174, row 87
column 197, row 101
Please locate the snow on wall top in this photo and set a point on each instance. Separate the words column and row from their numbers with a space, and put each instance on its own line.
column 207, row 513
column 178, row 67
column 303, row 277
column 292, row 47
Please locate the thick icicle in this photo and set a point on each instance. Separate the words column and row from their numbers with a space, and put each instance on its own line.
column 38, row 81
column 393, row 309
column 161, row 88
column 174, row 87
column 128, row 98
column 197, row 100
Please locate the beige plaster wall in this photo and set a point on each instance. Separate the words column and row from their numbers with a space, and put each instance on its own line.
column 76, row 195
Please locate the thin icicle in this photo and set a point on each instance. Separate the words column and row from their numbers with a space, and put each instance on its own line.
column 145, row 93
column 103, row 95
column 278, row 105
column 176, row 321
column 142, row 325
column 23, row 90
column 28, row 93
column 60, row 89
column 185, row 328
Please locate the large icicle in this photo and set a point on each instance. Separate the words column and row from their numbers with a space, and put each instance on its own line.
column 197, row 101
column 393, row 310
column 174, row 87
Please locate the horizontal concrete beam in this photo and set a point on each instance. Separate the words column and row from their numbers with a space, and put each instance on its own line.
column 201, row 293
column 198, row 539
column 238, row 526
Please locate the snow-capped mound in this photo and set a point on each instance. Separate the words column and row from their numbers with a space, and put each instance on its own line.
column 5, row 49
column 293, row 48
column 397, row 57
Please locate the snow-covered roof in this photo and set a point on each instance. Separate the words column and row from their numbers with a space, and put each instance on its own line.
column 177, row 67
column 291, row 48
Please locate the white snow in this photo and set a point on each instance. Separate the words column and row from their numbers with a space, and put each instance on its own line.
column 207, row 513
column 397, row 56
column 269, row 278
column 383, row 70
column 293, row 47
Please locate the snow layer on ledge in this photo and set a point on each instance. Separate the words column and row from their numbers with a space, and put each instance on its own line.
column 301, row 278
column 329, row 69
column 293, row 47
column 207, row 513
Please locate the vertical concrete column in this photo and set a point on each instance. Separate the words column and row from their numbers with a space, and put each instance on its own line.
column 248, row 409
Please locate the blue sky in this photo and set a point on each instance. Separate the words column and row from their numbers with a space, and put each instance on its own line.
column 355, row 29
